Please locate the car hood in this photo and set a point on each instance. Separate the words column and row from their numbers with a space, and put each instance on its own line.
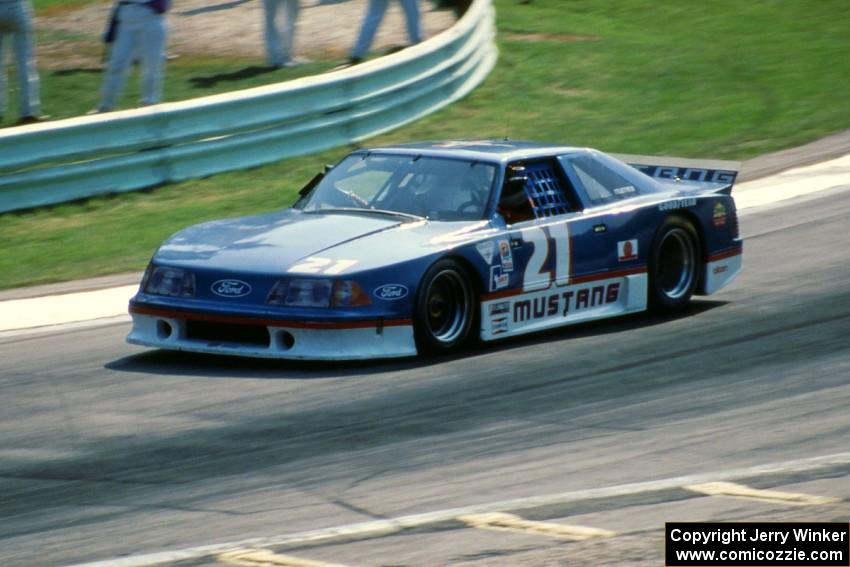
column 272, row 243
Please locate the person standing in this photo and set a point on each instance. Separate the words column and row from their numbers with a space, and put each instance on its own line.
column 281, row 36
column 374, row 15
column 16, row 22
column 141, row 30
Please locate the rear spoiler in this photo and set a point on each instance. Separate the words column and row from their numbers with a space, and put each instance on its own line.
column 720, row 174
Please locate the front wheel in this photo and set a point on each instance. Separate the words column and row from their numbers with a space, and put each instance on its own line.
column 444, row 309
column 674, row 265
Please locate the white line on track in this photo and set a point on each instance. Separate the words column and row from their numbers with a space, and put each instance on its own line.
column 379, row 528
column 17, row 314
column 735, row 490
column 41, row 312
column 65, row 327
column 792, row 183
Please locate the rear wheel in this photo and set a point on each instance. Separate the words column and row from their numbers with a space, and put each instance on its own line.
column 444, row 309
column 674, row 265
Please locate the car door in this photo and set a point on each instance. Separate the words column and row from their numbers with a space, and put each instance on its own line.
column 617, row 233
column 551, row 245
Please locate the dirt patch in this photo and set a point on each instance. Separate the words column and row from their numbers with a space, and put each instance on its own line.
column 549, row 37
column 234, row 28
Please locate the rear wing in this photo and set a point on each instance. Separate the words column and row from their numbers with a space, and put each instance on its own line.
column 720, row 175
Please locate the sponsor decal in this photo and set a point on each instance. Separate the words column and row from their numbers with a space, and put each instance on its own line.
column 500, row 308
column 562, row 303
column 498, row 280
column 391, row 292
column 231, row 288
column 688, row 173
column 627, row 250
column 624, row 190
column 719, row 215
column 720, row 269
column 677, row 204
column 506, row 256
column 499, row 325
column 486, row 249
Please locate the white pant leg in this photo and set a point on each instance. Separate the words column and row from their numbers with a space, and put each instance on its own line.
column 280, row 38
column 120, row 57
column 374, row 15
column 292, row 8
column 16, row 21
column 3, row 99
column 140, row 31
column 274, row 50
column 153, row 59
column 25, row 60
column 414, row 25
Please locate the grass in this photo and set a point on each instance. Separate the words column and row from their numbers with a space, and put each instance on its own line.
column 52, row 7
column 720, row 79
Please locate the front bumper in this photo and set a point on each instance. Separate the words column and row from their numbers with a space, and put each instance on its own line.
column 239, row 335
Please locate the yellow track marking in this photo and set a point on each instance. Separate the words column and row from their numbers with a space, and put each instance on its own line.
column 512, row 523
column 266, row 558
column 734, row 490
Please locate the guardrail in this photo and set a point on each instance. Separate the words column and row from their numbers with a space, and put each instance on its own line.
column 76, row 158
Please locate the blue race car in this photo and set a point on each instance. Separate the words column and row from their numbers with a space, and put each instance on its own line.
column 423, row 247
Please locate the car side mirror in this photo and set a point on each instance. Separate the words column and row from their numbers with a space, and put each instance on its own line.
column 312, row 183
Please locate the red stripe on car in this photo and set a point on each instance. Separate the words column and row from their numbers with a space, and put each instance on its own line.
column 573, row 281
column 726, row 254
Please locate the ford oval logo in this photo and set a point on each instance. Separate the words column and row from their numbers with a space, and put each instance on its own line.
column 390, row 292
column 231, row 288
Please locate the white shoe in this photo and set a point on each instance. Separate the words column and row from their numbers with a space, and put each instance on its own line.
column 293, row 62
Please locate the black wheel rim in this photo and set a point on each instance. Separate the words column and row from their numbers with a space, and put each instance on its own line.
column 447, row 306
column 676, row 263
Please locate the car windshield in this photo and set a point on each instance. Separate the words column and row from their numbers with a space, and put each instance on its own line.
column 434, row 188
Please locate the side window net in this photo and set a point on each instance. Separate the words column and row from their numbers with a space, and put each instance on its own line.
column 545, row 191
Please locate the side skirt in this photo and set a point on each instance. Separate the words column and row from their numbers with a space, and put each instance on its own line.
column 562, row 305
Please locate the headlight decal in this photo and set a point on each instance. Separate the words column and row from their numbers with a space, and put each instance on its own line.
column 349, row 294
column 309, row 293
column 172, row 282
column 317, row 293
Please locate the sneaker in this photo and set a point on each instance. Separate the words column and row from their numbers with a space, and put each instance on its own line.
column 290, row 63
column 296, row 61
column 31, row 120
column 352, row 61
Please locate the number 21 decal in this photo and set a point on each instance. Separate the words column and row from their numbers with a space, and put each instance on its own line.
column 535, row 277
column 316, row 265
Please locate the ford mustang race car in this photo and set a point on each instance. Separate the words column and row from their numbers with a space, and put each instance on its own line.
column 420, row 248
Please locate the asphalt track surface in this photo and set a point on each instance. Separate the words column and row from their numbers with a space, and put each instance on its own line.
column 110, row 450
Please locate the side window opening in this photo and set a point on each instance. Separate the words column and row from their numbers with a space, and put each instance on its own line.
column 533, row 191
column 601, row 184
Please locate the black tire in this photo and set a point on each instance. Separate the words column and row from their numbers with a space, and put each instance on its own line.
column 445, row 308
column 674, row 265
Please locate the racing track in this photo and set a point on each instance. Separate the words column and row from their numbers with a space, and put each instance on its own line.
column 109, row 449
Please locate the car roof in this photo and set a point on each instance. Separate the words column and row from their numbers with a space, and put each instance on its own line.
column 482, row 150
